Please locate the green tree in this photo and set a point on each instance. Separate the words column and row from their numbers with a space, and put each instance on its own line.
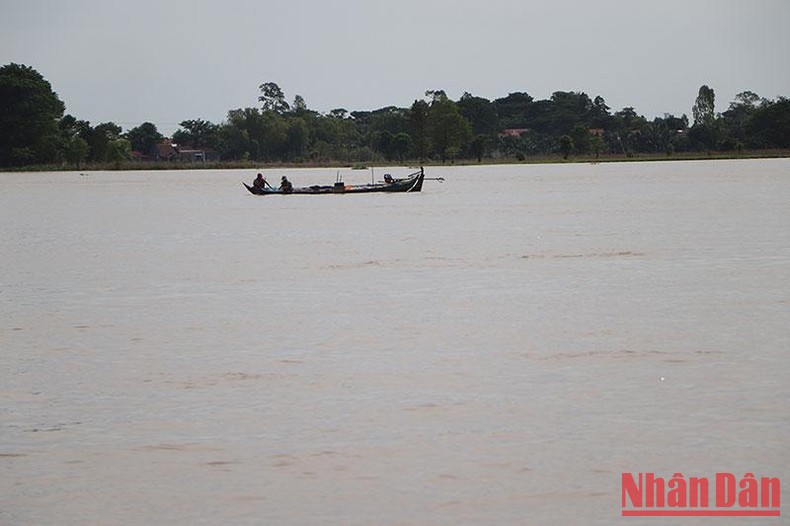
column 515, row 110
column 69, row 128
column 101, row 138
column 377, row 128
column 703, row 110
column 738, row 116
column 599, row 114
column 540, row 118
column 29, row 115
column 382, row 142
column 627, row 128
column 418, row 124
column 705, row 134
column 144, row 138
column 659, row 134
column 769, row 127
column 581, row 138
column 565, row 144
column 297, row 138
column 272, row 135
column 746, row 99
column 448, row 129
column 197, row 133
column 119, row 150
column 242, row 134
column 597, row 145
column 260, row 135
column 328, row 135
column 98, row 138
column 400, row 145
column 233, row 140
column 478, row 146
column 481, row 114
column 452, row 152
column 272, row 98
column 334, row 135
column 300, row 106
column 77, row 151
column 569, row 109
column 392, row 119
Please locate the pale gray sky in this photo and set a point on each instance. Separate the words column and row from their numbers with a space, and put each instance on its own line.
column 165, row 61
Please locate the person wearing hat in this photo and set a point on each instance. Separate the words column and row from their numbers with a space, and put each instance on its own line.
column 260, row 182
column 285, row 185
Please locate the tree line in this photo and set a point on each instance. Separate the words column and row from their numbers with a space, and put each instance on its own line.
column 34, row 129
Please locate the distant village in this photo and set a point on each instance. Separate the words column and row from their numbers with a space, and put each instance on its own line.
column 168, row 151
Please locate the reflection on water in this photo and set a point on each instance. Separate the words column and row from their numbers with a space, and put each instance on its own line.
column 494, row 350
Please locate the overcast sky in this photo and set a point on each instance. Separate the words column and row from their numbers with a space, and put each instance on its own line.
column 165, row 61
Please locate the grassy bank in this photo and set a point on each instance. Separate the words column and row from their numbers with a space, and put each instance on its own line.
column 640, row 157
column 538, row 159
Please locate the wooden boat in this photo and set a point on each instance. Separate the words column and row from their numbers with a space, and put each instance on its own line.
column 410, row 183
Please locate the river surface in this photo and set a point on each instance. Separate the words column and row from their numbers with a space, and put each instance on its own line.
column 495, row 350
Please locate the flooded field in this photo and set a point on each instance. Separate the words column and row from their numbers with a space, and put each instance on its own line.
column 497, row 349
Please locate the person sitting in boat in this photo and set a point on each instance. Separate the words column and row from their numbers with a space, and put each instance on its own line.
column 259, row 182
column 285, row 185
column 388, row 179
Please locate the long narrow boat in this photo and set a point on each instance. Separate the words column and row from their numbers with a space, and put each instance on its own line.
column 410, row 183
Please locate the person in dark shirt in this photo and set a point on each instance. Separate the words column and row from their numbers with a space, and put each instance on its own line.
column 259, row 182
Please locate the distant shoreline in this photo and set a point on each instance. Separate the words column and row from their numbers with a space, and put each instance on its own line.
column 538, row 159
